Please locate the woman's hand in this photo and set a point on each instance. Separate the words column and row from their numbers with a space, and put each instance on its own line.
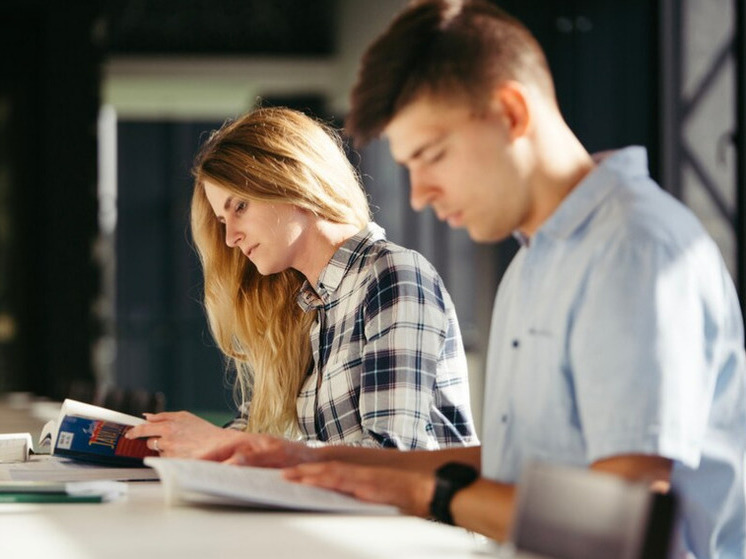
column 180, row 434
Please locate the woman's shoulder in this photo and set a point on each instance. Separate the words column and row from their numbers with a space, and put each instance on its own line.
column 387, row 256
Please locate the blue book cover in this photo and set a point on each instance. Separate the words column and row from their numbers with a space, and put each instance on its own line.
column 99, row 441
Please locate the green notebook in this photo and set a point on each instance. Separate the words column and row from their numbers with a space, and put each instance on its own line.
column 60, row 492
column 47, row 497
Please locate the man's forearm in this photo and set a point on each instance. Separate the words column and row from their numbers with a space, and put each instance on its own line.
column 419, row 460
column 485, row 507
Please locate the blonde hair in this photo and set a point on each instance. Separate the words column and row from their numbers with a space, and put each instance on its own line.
column 280, row 155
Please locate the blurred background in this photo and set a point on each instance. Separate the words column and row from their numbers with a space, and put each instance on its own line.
column 104, row 103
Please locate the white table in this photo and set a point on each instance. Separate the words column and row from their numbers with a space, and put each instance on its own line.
column 141, row 526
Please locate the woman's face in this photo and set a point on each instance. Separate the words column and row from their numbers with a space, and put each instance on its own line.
column 269, row 234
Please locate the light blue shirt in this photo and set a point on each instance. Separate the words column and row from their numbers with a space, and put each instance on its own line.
column 617, row 330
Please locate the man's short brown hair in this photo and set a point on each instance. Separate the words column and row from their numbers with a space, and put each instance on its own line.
column 446, row 48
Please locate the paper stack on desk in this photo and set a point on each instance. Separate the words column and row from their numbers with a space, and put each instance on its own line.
column 201, row 481
column 15, row 447
column 53, row 468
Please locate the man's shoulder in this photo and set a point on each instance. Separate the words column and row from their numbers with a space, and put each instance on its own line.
column 642, row 213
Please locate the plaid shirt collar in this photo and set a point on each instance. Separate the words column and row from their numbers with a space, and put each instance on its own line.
column 342, row 260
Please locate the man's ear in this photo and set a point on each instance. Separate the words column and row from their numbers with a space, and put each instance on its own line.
column 511, row 100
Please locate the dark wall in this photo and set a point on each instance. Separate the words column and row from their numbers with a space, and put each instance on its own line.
column 49, row 84
column 603, row 55
column 163, row 341
column 222, row 27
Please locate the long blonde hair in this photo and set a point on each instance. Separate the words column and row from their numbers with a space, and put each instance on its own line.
column 280, row 155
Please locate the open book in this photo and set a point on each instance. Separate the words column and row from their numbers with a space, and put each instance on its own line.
column 205, row 482
column 94, row 434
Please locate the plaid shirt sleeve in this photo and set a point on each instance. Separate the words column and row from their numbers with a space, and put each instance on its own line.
column 413, row 390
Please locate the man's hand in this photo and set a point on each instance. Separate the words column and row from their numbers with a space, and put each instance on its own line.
column 410, row 491
column 265, row 451
column 180, row 434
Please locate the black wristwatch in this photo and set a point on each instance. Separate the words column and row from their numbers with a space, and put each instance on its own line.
column 449, row 479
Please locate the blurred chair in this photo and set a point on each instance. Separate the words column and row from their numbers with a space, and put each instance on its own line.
column 575, row 513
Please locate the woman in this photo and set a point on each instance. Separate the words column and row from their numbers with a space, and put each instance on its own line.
column 336, row 334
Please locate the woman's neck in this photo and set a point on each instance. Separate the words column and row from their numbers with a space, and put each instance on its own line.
column 323, row 239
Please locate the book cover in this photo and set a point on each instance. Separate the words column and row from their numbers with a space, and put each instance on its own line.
column 100, row 441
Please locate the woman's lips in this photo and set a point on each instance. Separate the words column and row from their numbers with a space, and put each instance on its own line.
column 249, row 251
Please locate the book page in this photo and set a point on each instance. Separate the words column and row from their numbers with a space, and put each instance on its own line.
column 253, row 486
column 81, row 409
column 48, row 432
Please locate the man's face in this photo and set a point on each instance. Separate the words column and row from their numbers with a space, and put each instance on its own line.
column 462, row 165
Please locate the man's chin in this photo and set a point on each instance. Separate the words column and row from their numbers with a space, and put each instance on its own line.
column 483, row 237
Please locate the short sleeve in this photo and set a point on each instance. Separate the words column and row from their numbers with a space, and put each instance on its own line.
column 639, row 352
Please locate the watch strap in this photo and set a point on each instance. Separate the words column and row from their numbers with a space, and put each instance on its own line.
column 450, row 479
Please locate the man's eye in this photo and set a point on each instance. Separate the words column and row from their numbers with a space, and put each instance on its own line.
column 437, row 156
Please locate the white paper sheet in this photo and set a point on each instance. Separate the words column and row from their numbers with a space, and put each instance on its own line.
column 193, row 480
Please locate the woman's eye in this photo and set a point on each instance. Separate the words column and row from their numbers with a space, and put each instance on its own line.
column 240, row 206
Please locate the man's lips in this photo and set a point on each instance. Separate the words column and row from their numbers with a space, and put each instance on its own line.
column 454, row 219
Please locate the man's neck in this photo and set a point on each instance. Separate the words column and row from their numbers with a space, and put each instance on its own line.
column 562, row 164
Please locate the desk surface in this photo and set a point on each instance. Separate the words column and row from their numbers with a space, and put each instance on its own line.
column 141, row 526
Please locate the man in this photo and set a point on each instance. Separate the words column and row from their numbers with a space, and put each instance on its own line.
column 617, row 339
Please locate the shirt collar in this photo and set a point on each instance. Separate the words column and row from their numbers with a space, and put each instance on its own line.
column 341, row 261
column 630, row 162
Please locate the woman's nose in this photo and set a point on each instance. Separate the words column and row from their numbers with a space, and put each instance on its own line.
column 232, row 236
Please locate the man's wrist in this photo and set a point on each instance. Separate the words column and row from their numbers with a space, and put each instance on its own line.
column 449, row 480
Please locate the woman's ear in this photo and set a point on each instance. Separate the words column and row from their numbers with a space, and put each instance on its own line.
column 511, row 100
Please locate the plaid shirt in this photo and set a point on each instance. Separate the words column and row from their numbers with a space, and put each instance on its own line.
column 389, row 366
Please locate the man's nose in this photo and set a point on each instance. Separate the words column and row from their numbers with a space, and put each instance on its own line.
column 420, row 194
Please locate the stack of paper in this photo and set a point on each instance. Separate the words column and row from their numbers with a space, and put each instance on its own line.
column 15, row 447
